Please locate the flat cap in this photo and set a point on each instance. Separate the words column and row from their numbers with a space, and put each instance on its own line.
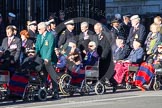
column 11, row 14
column 70, row 22
column 134, row 17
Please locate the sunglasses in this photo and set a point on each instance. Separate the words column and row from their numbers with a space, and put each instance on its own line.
column 90, row 45
column 160, row 47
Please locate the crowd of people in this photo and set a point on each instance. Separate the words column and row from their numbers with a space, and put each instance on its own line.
column 126, row 43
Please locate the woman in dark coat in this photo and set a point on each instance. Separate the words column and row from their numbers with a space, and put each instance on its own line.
column 27, row 44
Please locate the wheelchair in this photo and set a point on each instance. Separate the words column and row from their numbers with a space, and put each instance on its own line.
column 130, row 76
column 157, row 79
column 126, row 75
column 26, row 84
column 84, row 82
column 35, row 89
column 4, row 80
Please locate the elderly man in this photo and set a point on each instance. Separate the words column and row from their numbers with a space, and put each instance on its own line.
column 135, row 57
column 67, row 35
column 84, row 38
column 106, row 65
column 45, row 49
column 91, row 57
column 122, row 50
column 137, row 31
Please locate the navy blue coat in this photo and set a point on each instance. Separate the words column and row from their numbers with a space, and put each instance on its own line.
column 121, row 53
column 136, row 56
column 139, row 33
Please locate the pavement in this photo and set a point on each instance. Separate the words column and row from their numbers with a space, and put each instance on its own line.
column 121, row 99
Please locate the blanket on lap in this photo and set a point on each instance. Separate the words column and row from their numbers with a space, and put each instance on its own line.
column 121, row 68
column 144, row 74
column 17, row 84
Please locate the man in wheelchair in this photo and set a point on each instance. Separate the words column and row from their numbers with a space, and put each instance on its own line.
column 92, row 56
column 32, row 61
column 135, row 57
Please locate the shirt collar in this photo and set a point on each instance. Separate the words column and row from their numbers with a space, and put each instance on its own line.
column 11, row 37
column 44, row 34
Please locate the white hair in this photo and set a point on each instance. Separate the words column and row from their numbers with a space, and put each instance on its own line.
column 99, row 25
column 42, row 25
column 85, row 24
column 92, row 43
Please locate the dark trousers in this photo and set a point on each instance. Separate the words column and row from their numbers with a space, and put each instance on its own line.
column 48, row 69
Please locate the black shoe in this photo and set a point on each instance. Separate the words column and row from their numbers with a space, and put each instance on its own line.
column 55, row 97
column 114, row 89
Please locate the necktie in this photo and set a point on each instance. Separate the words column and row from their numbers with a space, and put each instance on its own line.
column 9, row 41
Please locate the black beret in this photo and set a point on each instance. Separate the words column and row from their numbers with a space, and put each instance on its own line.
column 120, row 37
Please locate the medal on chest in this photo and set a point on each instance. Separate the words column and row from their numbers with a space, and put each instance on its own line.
column 46, row 42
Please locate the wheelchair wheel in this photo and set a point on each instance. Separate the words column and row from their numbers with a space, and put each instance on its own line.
column 85, row 89
column 156, row 85
column 29, row 95
column 42, row 94
column 99, row 88
column 128, row 86
column 64, row 84
column 1, row 96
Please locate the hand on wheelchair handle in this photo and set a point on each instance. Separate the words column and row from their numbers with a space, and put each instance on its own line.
column 45, row 61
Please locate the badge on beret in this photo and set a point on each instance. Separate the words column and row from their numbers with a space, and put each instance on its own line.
column 46, row 42
column 136, row 36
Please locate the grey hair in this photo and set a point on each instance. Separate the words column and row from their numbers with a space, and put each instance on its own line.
column 42, row 25
column 99, row 25
column 85, row 23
